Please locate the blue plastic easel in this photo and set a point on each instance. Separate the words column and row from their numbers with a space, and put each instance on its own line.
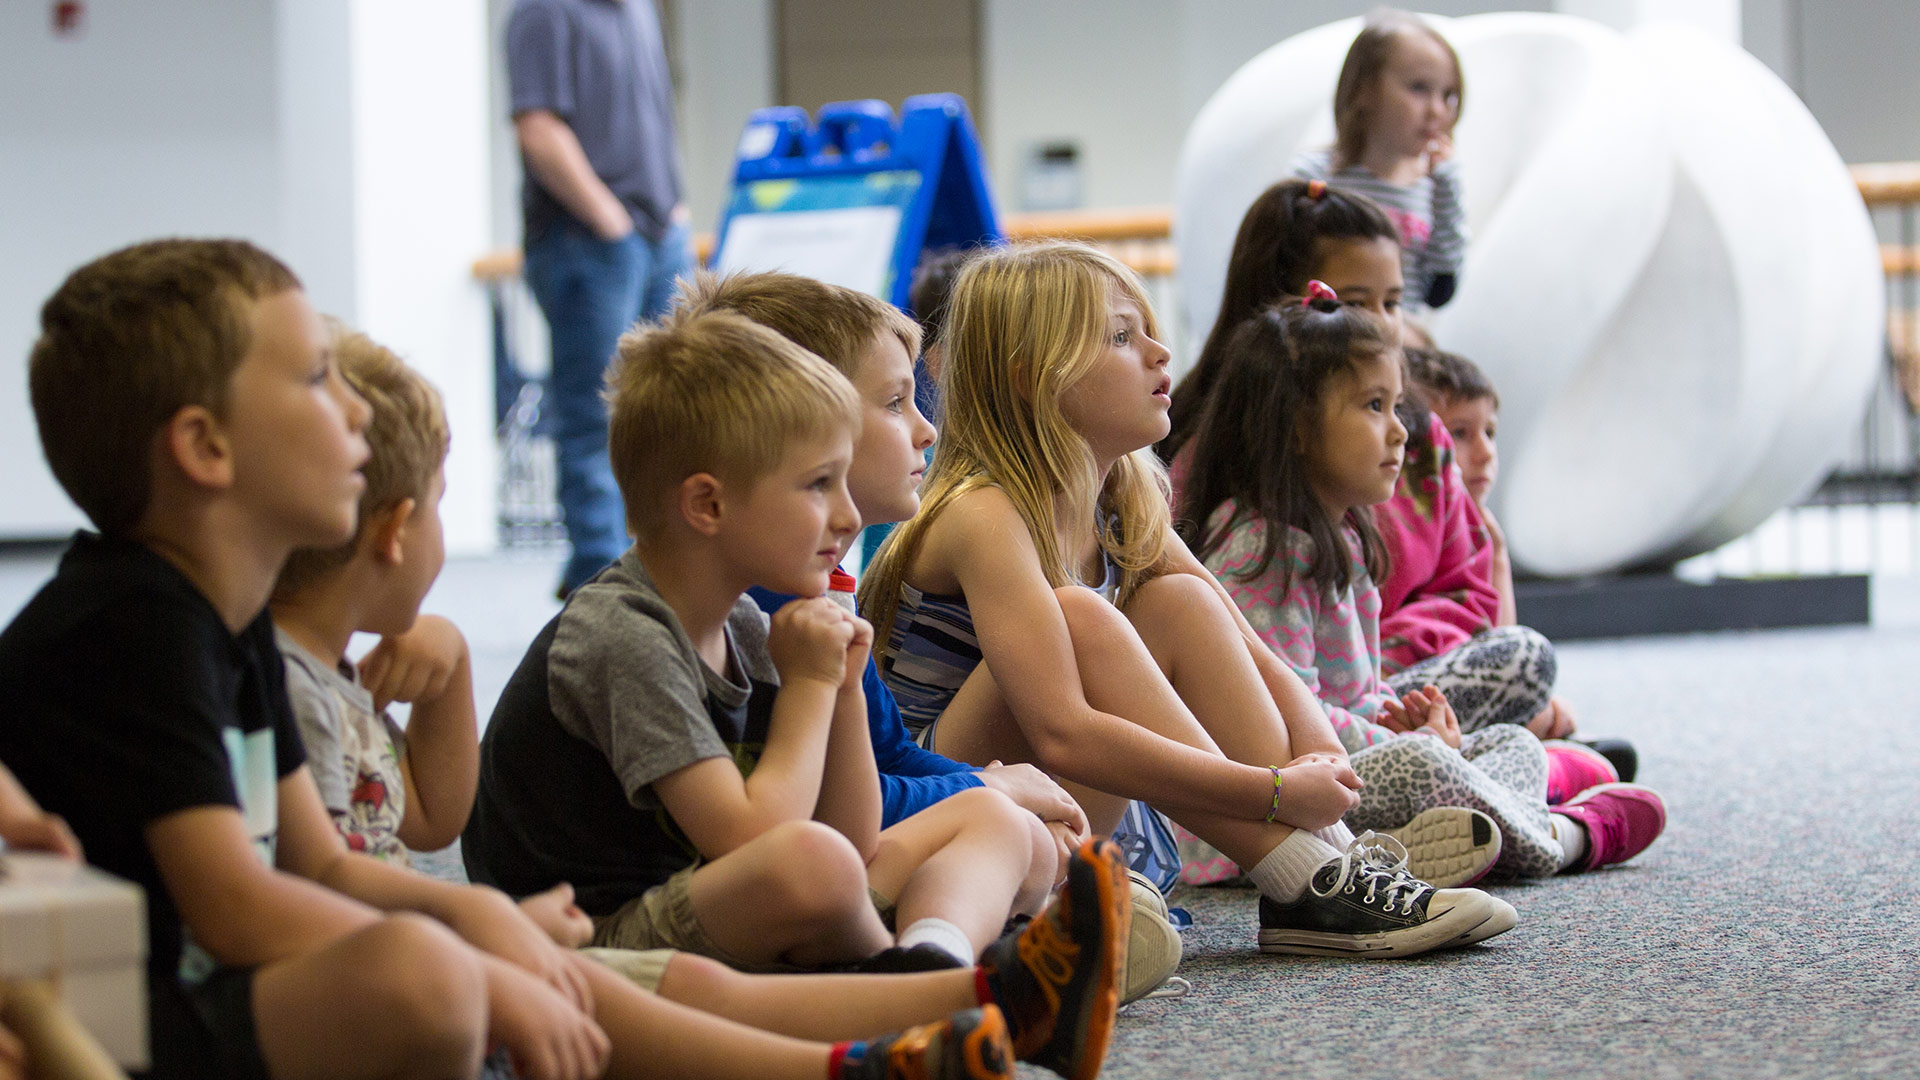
column 832, row 195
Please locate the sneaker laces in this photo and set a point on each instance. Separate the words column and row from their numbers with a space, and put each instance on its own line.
column 1381, row 862
column 1050, row 956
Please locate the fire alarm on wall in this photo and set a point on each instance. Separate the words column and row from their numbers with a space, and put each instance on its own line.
column 69, row 18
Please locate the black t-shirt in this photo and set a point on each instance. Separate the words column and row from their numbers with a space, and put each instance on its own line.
column 126, row 700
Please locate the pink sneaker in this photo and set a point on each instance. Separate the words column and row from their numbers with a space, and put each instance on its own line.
column 1572, row 769
column 1621, row 820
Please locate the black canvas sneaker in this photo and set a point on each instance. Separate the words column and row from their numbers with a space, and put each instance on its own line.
column 1366, row 904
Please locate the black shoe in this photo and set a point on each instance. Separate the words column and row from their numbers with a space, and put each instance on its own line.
column 1058, row 979
column 1366, row 904
column 898, row 961
column 970, row 1045
column 1619, row 752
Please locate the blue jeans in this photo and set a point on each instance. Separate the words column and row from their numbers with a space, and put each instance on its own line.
column 591, row 291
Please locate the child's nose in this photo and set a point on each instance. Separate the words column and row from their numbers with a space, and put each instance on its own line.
column 845, row 519
column 359, row 412
column 923, row 431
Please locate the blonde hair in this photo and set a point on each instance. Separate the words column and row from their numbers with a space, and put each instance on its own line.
column 126, row 342
column 1027, row 322
column 1366, row 64
column 712, row 392
column 834, row 323
column 406, row 434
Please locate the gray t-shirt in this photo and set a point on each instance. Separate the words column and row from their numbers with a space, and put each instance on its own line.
column 623, row 675
column 353, row 750
column 600, row 66
column 611, row 697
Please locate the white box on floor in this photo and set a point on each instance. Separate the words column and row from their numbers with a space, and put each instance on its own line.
column 83, row 932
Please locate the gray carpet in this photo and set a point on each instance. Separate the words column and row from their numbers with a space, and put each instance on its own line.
column 1771, row 933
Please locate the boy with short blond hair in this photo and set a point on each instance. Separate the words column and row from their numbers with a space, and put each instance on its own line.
column 873, row 343
column 705, row 780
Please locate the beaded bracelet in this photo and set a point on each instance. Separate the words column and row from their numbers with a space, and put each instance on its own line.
column 1274, row 810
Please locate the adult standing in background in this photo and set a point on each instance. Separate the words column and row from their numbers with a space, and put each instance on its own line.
column 606, row 231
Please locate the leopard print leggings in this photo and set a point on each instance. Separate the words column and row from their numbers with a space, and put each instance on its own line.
column 1500, row 771
column 1500, row 676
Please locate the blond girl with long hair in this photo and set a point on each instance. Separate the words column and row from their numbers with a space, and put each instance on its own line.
column 1039, row 608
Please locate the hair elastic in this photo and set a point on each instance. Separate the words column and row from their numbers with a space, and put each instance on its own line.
column 1318, row 290
column 1316, row 188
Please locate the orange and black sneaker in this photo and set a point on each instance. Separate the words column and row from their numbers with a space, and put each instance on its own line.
column 970, row 1045
column 1058, row 978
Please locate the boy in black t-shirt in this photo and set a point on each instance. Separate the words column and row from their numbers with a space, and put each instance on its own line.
column 186, row 402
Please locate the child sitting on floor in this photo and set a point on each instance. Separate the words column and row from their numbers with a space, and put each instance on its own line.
column 1039, row 608
column 1311, row 387
column 389, row 792
column 1465, row 403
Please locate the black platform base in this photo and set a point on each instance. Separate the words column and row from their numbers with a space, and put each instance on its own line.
column 1630, row 605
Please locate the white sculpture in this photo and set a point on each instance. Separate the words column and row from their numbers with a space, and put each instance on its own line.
column 1671, row 276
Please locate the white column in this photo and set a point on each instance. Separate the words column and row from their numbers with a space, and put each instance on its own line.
column 1720, row 18
column 385, row 179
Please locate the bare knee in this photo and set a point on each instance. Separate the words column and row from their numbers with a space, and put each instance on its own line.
column 431, row 984
column 1086, row 610
column 818, row 878
column 699, row 982
column 984, row 809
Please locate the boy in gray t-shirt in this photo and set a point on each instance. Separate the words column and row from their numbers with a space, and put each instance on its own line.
column 704, row 776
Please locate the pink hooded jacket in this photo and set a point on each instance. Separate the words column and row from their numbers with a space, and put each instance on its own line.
column 1439, row 587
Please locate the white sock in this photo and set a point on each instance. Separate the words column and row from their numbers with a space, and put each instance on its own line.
column 940, row 934
column 1336, row 834
column 1283, row 875
column 1572, row 838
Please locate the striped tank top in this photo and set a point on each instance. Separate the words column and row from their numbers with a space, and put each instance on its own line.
column 932, row 649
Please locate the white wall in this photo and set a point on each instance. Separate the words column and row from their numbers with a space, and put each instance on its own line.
column 159, row 120
column 349, row 138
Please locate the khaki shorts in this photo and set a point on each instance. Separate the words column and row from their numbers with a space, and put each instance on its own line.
column 643, row 968
column 663, row 919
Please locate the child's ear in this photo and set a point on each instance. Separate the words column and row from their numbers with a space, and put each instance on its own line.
column 194, row 441
column 699, row 503
column 385, row 532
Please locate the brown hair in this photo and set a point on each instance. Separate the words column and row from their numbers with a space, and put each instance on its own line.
column 1275, row 253
column 712, row 392
column 126, row 342
column 407, row 434
column 1366, row 62
column 834, row 323
column 1450, row 375
column 1250, row 446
